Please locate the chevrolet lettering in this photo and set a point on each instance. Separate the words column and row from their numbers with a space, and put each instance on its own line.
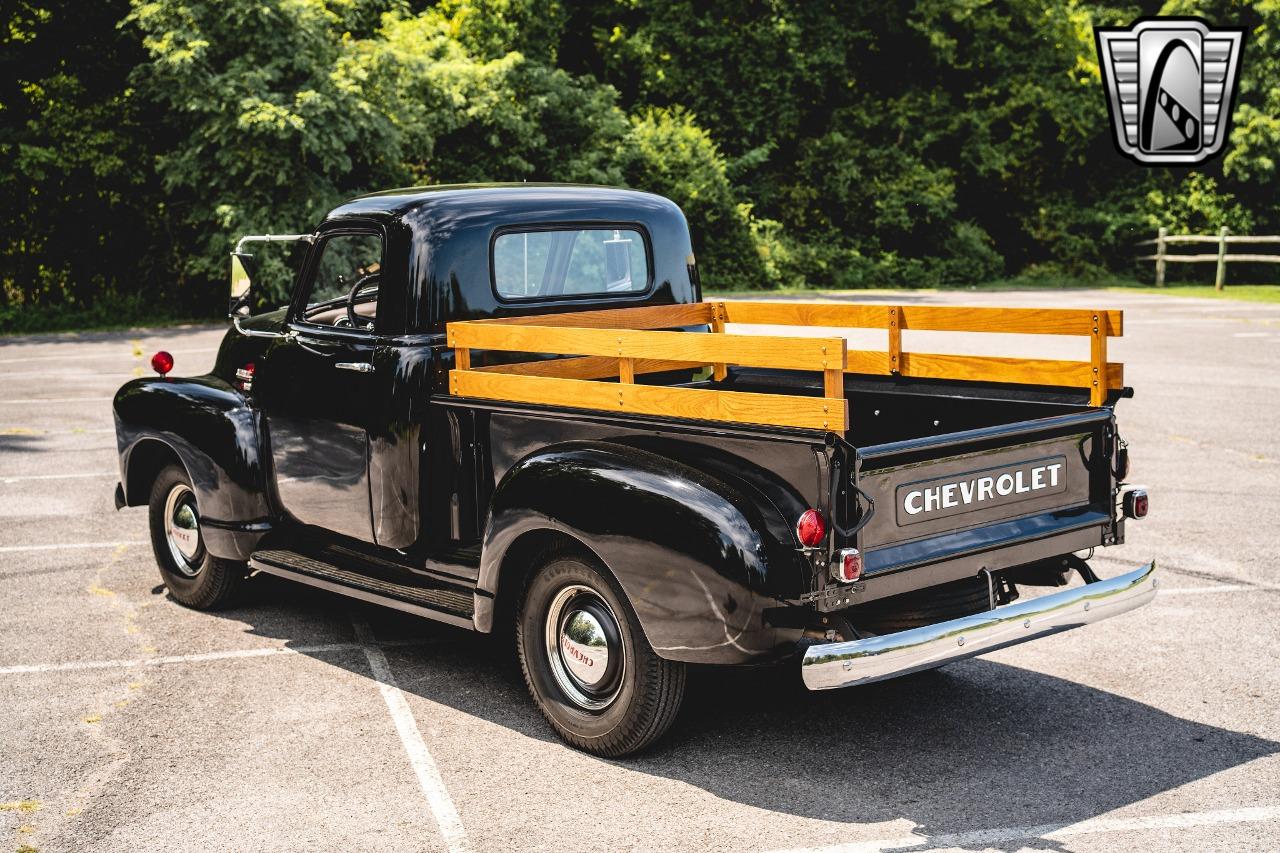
column 508, row 408
column 952, row 496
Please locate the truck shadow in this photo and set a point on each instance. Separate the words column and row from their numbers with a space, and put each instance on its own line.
column 944, row 750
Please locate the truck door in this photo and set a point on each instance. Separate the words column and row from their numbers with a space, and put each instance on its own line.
column 318, row 389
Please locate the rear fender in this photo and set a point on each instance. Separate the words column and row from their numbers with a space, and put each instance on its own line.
column 693, row 553
column 208, row 427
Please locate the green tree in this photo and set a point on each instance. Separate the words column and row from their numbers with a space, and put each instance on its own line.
column 917, row 142
column 76, row 185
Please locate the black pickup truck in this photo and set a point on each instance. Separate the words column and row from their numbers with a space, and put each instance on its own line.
column 441, row 422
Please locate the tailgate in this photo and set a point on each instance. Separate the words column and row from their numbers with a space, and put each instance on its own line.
column 987, row 495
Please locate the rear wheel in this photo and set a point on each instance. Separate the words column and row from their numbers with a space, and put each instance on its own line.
column 587, row 663
column 194, row 577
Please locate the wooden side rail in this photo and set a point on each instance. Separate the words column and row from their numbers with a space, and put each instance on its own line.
column 927, row 318
column 622, row 343
column 1098, row 375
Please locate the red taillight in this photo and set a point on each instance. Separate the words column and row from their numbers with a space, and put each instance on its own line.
column 244, row 377
column 847, row 566
column 1136, row 504
column 162, row 362
column 811, row 529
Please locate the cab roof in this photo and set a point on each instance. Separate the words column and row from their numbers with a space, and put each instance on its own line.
column 499, row 200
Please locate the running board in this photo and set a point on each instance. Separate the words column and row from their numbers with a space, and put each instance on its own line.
column 443, row 605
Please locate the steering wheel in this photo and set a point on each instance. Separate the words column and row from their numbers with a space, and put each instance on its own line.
column 362, row 282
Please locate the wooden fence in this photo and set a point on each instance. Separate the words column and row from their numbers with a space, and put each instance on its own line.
column 616, row 345
column 1222, row 240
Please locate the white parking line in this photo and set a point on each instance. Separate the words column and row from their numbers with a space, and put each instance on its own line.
column 997, row 837
column 58, row 400
column 23, row 431
column 59, row 546
column 272, row 651
column 21, row 477
column 429, row 779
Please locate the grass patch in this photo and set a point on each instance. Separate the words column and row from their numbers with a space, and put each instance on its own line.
column 24, row 806
column 109, row 314
column 1269, row 293
column 1043, row 282
column 1240, row 292
column 133, row 313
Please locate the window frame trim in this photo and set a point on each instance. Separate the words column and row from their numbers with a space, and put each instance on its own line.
column 573, row 225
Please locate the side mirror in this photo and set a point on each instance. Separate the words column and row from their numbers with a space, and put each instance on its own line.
column 617, row 263
column 243, row 269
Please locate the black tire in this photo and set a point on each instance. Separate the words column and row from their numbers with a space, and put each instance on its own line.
column 203, row 581
column 639, row 698
column 922, row 607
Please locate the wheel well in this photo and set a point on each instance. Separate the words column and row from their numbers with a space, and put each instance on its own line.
column 519, row 562
column 146, row 460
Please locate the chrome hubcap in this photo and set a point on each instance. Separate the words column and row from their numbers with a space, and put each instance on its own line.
column 182, row 530
column 584, row 647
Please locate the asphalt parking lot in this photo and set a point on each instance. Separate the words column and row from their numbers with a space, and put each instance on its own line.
column 303, row 721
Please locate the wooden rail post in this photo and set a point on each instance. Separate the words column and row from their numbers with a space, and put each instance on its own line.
column 1221, row 278
column 719, row 372
column 895, row 340
column 1160, row 256
column 833, row 366
column 1098, row 356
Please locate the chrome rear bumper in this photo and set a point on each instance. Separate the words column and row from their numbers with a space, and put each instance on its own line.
column 877, row 658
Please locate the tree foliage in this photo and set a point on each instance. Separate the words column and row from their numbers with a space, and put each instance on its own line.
column 911, row 143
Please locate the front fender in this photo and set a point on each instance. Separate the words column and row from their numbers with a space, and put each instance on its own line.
column 693, row 552
column 209, row 426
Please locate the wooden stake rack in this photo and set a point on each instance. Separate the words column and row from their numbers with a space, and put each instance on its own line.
column 621, row 343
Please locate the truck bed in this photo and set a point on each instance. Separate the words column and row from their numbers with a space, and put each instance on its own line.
column 891, row 410
column 940, row 467
column 607, row 355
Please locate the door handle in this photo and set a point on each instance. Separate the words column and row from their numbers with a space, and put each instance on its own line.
column 357, row 366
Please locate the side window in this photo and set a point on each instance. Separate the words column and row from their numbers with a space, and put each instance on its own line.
column 570, row 262
column 344, row 289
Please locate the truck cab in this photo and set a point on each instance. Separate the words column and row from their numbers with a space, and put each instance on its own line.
column 352, row 441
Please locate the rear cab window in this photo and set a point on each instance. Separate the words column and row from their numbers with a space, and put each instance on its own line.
column 566, row 261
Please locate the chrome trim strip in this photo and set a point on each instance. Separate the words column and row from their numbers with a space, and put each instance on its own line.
column 273, row 238
column 863, row 661
column 254, row 333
